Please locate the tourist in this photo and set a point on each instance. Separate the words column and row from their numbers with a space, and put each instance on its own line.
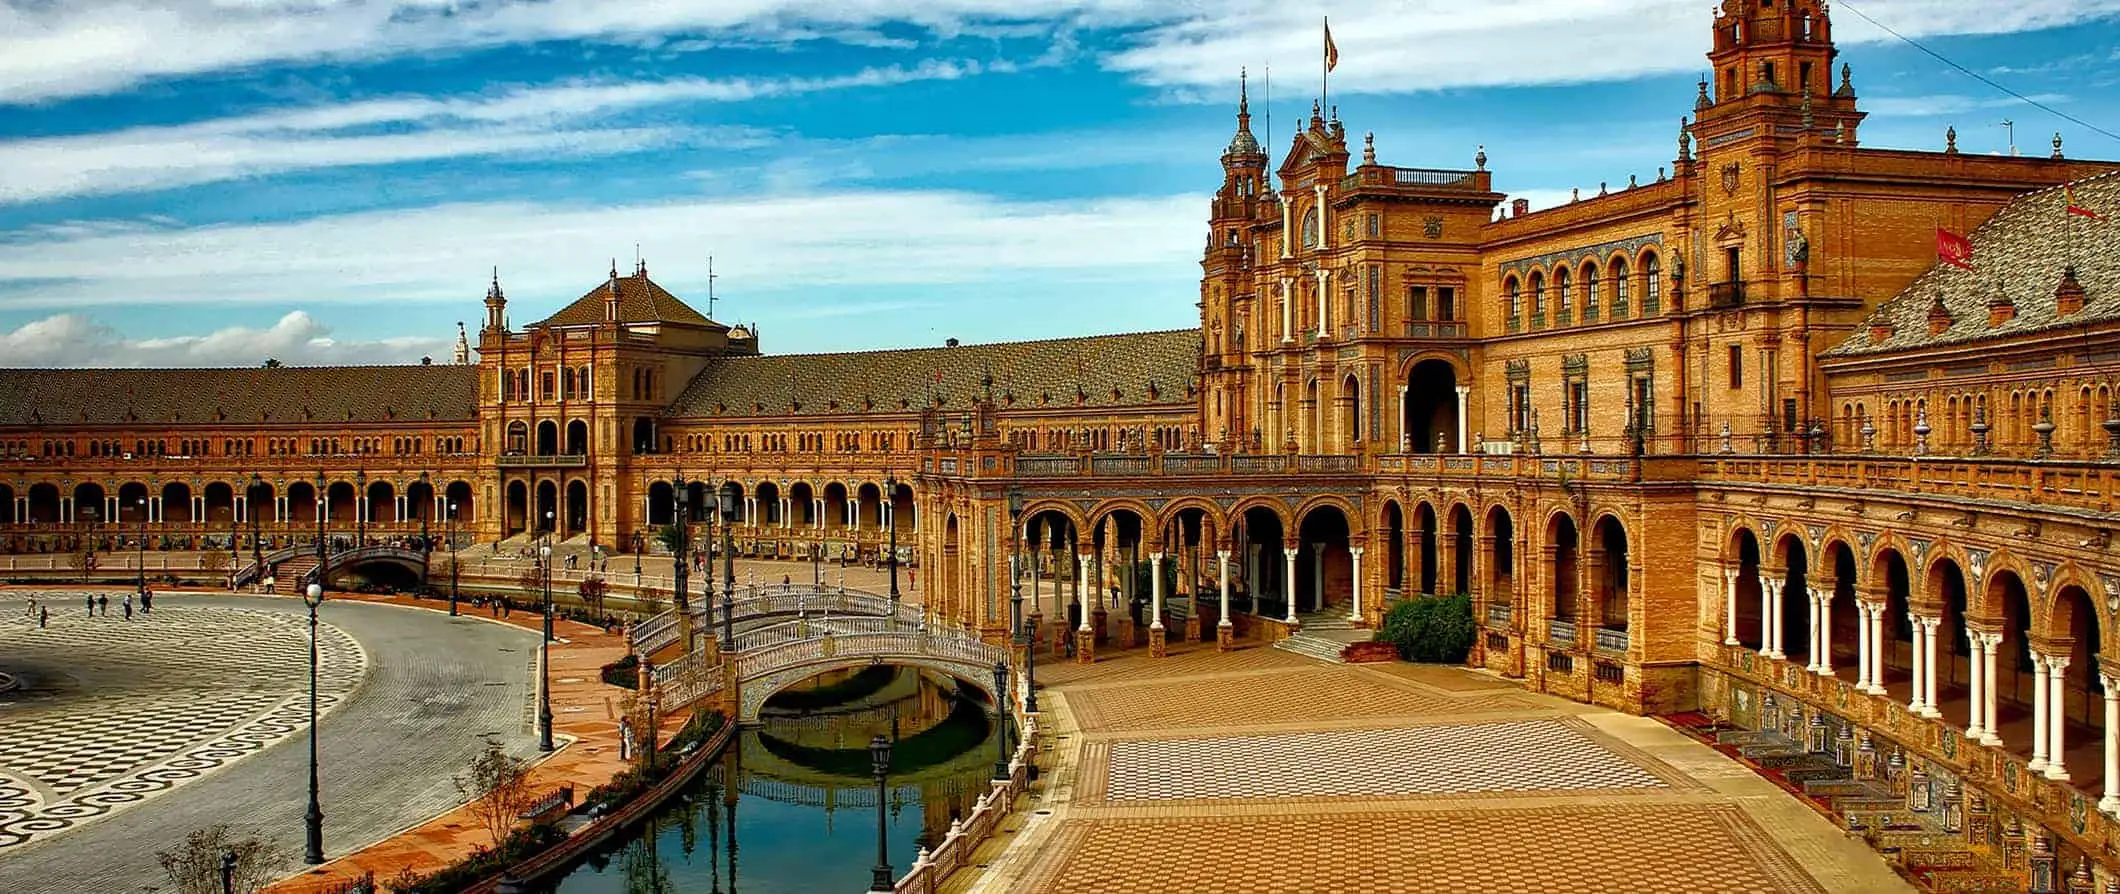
column 91, row 605
column 103, row 602
column 128, row 606
column 147, row 600
column 44, row 617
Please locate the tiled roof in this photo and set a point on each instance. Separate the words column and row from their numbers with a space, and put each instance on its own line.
column 1035, row 373
column 2021, row 253
column 243, row 395
column 640, row 300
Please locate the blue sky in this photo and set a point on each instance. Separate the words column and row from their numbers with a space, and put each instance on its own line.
column 211, row 182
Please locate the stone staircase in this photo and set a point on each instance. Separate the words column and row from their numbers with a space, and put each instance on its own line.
column 292, row 572
column 1915, row 841
column 1322, row 636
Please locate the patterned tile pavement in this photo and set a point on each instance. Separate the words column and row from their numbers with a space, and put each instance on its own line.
column 1512, row 756
column 118, row 711
column 1673, row 848
column 1293, row 694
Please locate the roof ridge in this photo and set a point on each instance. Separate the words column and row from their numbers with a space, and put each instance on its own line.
column 283, row 367
column 985, row 344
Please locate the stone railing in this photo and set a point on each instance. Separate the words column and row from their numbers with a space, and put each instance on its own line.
column 1498, row 613
column 898, row 640
column 687, row 680
column 1609, row 640
column 551, row 461
column 1128, row 465
column 654, row 634
column 2070, row 484
column 1559, row 631
column 932, row 867
column 811, row 628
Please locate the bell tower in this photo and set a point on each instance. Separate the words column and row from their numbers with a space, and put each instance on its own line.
column 1773, row 64
column 1227, row 304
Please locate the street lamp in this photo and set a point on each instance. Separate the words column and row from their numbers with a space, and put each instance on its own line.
column 680, row 575
column 250, row 507
column 314, row 819
column 890, row 511
column 360, row 506
column 1001, row 718
column 728, row 544
column 449, row 530
column 425, row 547
column 323, row 511
column 544, row 660
column 142, row 550
column 880, row 757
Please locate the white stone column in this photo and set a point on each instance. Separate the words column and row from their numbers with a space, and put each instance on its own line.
column 1355, row 613
column 1918, row 694
column 787, row 512
column 1730, row 607
column 1324, row 217
column 1405, row 437
column 1288, row 302
column 1863, row 610
column 1083, row 594
column 1324, row 301
column 1976, row 726
column 1990, row 735
column 1288, row 227
column 2039, row 712
column 2111, row 802
column 1822, row 631
column 66, row 510
column 2057, row 712
column 1464, row 443
column 1769, row 618
column 1928, row 666
column 1222, row 577
column 1880, row 646
column 1288, row 583
column 1155, row 591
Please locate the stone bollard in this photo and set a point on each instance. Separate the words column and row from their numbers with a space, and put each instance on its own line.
column 1156, row 645
column 1085, row 647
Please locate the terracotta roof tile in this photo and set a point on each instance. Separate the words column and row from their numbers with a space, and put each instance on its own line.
column 1036, row 373
column 2020, row 253
column 640, row 300
column 328, row 394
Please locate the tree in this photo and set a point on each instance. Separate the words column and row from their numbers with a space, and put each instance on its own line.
column 532, row 579
column 498, row 789
column 1431, row 628
column 213, row 560
column 271, row 363
column 83, row 558
column 195, row 868
column 592, row 592
column 671, row 537
column 651, row 600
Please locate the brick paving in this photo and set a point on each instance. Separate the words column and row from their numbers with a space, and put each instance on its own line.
column 1239, row 772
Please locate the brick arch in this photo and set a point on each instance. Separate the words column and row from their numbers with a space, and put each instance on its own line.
column 1105, row 508
column 1169, row 516
column 1740, row 523
column 2048, row 621
column 1776, row 550
column 1345, row 506
column 1269, row 503
column 1892, row 542
column 1458, row 367
column 1980, row 600
column 1062, row 508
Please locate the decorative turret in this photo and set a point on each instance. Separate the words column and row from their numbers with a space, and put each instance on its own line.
column 1770, row 60
column 496, row 305
column 1242, row 144
column 463, row 346
column 611, row 294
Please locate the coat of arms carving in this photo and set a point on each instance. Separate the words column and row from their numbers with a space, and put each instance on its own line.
column 1433, row 227
column 1729, row 178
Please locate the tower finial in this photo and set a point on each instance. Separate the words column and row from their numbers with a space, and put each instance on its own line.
column 1243, row 91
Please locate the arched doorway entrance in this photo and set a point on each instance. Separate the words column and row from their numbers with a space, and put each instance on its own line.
column 1427, row 541
column 1324, row 566
column 577, row 508
column 516, row 519
column 1501, row 558
column 1260, row 563
column 1431, row 413
column 1461, row 546
column 1609, row 573
column 1564, row 545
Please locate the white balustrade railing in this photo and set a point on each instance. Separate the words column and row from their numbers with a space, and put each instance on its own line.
column 655, row 634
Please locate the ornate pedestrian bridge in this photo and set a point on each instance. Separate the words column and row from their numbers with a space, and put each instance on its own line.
column 296, row 566
column 787, row 634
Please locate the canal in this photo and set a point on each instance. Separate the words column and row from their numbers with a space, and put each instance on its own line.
column 790, row 806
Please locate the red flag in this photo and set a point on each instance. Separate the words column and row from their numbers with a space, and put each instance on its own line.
column 1332, row 53
column 938, row 375
column 1954, row 249
column 2075, row 209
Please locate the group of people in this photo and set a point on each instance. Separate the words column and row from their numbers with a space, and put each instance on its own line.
column 95, row 604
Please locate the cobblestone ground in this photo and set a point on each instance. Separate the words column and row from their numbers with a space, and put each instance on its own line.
column 1253, row 773
column 131, row 734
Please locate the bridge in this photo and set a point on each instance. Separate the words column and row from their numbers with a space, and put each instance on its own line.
column 297, row 565
column 848, row 631
column 757, row 604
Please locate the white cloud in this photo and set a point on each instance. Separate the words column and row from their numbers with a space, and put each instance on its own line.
column 51, row 50
column 297, row 339
column 1948, row 104
column 825, row 247
column 565, row 119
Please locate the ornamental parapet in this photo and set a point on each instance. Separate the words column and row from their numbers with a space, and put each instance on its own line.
column 2069, row 484
column 555, row 461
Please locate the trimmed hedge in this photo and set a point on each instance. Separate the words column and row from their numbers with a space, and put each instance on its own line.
column 623, row 673
column 1435, row 629
column 520, row 845
column 642, row 776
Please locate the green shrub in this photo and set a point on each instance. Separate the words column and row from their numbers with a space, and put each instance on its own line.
column 1431, row 628
column 624, row 673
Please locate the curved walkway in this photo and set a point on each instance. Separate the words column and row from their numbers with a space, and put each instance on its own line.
column 435, row 688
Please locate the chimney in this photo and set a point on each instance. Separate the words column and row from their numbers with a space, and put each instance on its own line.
column 2001, row 309
column 1939, row 317
column 1880, row 331
column 2068, row 297
column 1520, row 207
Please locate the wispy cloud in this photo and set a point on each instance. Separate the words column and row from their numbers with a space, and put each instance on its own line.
column 834, row 244
column 72, row 339
column 1948, row 104
column 565, row 119
column 52, row 50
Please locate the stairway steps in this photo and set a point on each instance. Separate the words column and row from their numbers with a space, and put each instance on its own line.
column 1313, row 647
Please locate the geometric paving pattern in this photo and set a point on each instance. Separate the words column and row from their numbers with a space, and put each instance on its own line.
column 118, row 711
column 1591, row 849
column 1509, row 756
column 1280, row 697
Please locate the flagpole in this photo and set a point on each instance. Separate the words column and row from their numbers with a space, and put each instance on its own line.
column 1325, row 69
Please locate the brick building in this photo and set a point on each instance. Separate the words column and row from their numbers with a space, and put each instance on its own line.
column 1896, row 478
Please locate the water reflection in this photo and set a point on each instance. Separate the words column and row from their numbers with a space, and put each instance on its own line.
column 807, row 821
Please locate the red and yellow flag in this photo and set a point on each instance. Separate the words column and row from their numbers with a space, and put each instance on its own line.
column 1332, row 53
column 2076, row 209
column 1954, row 249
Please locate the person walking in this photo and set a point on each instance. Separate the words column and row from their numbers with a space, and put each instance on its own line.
column 103, row 602
column 44, row 617
column 91, row 605
column 128, row 606
column 147, row 601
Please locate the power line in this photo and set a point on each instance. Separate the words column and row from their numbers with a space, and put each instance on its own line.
column 1980, row 77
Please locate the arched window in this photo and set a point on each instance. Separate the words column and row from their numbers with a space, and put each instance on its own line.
column 1512, row 291
column 1590, row 291
column 1619, row 287
column 1538, row 294
column 1652, row 286
column 1563, row 284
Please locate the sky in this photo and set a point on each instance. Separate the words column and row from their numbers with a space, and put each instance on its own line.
column 216, row 182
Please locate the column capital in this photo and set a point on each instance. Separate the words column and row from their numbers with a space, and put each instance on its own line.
column 1355, row 550
column 1223, row 554
column 2112, row 686
column 1730, row 574
column 2057, row 663
column 1155, row 556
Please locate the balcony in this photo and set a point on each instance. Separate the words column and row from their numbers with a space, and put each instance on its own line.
column 1129, row 465
column 1725, row 295
column 1437, row 328
column 1560, row 632
column 552, row 461
column 1498, row 613
column 1613, row 641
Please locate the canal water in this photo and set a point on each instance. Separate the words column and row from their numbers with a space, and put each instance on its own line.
column 790, row 806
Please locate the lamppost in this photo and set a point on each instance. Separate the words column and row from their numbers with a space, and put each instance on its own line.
column 544, row 660
column 424, row 546
column 880, row 757
column 250, row 508
column 228, row 872
column 728, row 545
column 360, row 509
column 313, row 854
column 449, row 530
column 1030, row 671
column 890, row 511
column 142, row 548
column 680, row 575
column 1001, row 718
column 323, row 510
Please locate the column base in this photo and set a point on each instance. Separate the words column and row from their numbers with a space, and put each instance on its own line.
column 1061, row 635
column 2057, row 772
column 1225, row 637
column 1098, row 623
column 2110, row 804
column 1928, row 711
column 1731, row 641
column 1988, row 738
column 1085, row 647
column 2037, row 764
column 1156, row 645
column 1770, row 653
column 1125, row 634
column 1192, row 629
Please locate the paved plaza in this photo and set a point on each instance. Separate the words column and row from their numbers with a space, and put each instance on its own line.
column 1263, row 771
column 128, row 735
